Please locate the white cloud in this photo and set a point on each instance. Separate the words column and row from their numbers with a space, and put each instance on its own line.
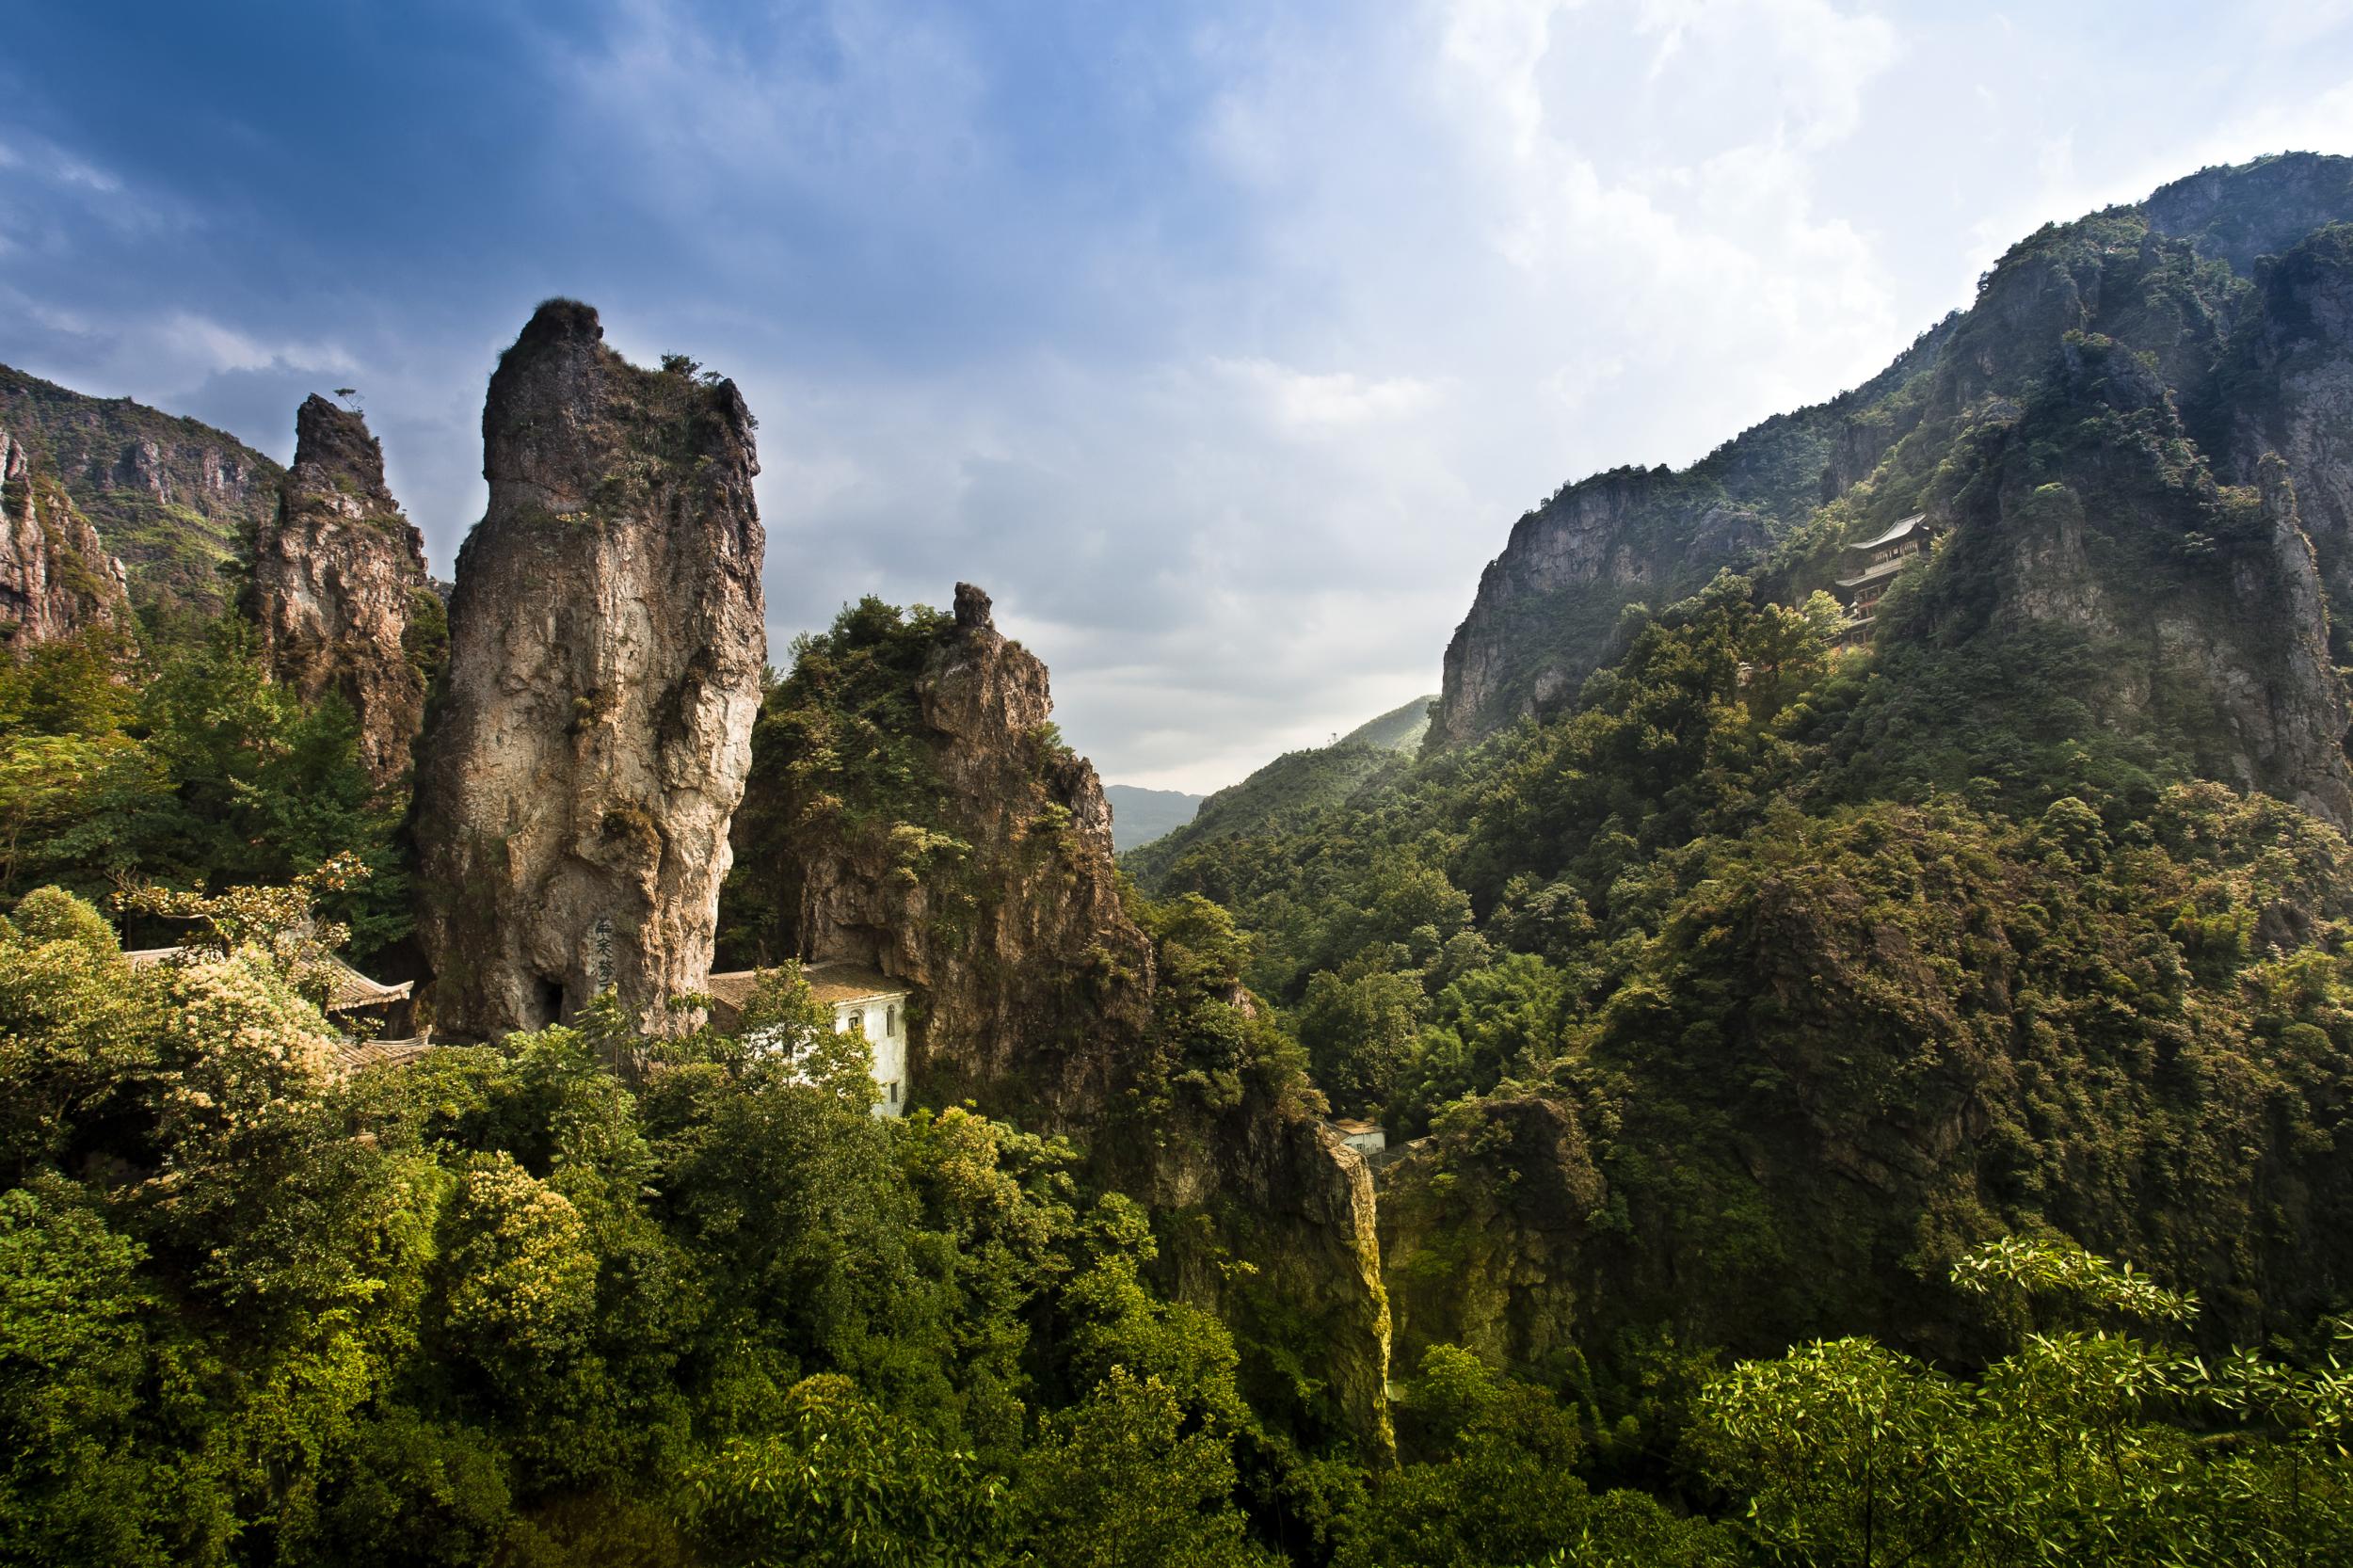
column 2290, row 23
column 200, row 346
column 1309, row 403
column 1227, row 382
column 24, row 152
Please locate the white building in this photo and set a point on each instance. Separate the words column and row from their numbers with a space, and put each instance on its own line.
column 862, row 999
column 1366, row 1138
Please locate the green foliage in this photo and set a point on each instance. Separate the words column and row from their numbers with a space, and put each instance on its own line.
column 839, row 752
column 206, row 773
column 1360, row 1035
column 1497, row 1485
column 839, row 1481
column 501, row 1305
column 2079, row 1446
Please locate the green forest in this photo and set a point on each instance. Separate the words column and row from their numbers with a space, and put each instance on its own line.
column 582, row 1297
column 1867, row 1083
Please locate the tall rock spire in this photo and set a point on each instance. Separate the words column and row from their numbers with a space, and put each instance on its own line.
column 338, row 577
column 606, row 643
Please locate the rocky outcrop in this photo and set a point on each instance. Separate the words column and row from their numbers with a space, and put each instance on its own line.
column 1547, row 605
column 1498, row 1264
column 1296, row 1205
column 1549, row 608
column 2166, row 279
column 57, row 580
column 576, row 783
column 337, row 573
column 912, row 807
column 2238, row 214
column 2198, row 609
column 2287, row 388
column 175, row 499
column 1009, row 921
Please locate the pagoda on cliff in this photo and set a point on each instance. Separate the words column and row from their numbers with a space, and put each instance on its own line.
column 1869, row 568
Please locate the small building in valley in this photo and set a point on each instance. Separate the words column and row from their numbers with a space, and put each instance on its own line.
column 1366, row 1138
column 354, row 1003
column 1870, row 566
column 862, row 999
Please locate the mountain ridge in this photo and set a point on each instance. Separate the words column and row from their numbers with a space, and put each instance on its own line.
column 175, row 499
column 1549, row 607
column 1139, row 815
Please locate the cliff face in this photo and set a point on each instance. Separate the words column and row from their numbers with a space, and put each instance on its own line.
column 173, row 497
column 337, row 573
column 606, row 640
column 2201, row 606
column 2238, row 214
column 1547, row 608
column 1013, row 928
column 911, row 807
column 57, row 580
column 2170, row 279
column 2287, row 388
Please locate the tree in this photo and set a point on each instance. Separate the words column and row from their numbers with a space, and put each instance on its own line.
column 1360, row 1035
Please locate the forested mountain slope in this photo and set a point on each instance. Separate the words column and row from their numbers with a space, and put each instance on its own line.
column 173, row 497
column 1294, row 783
column 2175, row 278
column 1139, row 815
column 1767, row 976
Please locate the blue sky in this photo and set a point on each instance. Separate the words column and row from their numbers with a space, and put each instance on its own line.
column 1222, row 343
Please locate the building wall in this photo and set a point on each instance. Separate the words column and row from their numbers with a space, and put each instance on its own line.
column 884, row 1022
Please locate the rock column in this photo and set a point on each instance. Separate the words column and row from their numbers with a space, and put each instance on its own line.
column 338, row 573
column 606, row 644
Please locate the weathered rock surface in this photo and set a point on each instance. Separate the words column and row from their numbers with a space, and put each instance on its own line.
column 1500, row 1264
column 2198, row 609
column 336, row 576
column 173, row 497
column 2238, row 214
column 1547, row 604
column 1547, row 611
column 1027, row 942
column 606, row 640
column 57, row 580
column 1041, row 999
column 2166, row 279
column 2287, row 388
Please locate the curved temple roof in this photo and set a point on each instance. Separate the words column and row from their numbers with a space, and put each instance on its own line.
column 1895, row 531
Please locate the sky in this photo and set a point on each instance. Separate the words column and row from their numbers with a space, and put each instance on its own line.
column 1221, row 343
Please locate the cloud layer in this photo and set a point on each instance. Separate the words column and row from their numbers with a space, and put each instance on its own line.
column 1222, row 343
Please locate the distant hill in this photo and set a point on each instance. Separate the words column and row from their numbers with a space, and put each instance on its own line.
column 1139, row 815
column 172, row 497
column 1398, row 729
column 1281, row 794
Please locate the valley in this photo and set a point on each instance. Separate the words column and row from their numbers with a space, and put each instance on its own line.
column 1850, row 970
